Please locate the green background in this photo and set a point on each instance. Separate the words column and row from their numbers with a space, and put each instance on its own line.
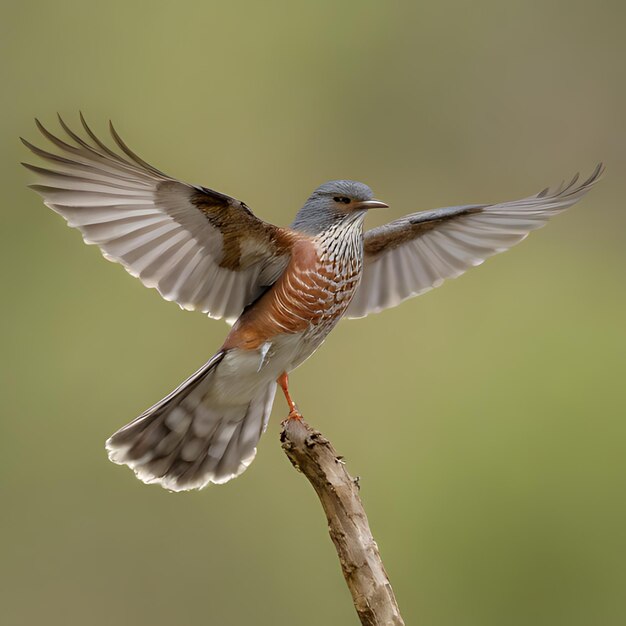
column 486, row 419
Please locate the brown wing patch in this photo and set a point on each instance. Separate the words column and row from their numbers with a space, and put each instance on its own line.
column 403, row 231
column 238, row 225
column 198, row 247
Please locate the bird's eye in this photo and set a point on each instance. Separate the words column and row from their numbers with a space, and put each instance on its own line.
column 342, row 199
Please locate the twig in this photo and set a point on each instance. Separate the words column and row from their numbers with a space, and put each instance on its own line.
column 362, row 567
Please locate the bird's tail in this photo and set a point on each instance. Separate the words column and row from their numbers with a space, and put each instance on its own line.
column 194, row 436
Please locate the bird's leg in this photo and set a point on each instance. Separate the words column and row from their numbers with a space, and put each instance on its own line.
column 283, row 381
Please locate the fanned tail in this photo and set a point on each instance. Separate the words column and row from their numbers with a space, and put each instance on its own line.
column 192, row 437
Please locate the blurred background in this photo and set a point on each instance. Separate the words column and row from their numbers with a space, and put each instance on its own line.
column 486, row 419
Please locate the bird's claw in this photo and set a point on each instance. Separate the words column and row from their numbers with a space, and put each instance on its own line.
column 294, row 414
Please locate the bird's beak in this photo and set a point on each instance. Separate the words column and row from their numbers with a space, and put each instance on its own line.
column 371, row 204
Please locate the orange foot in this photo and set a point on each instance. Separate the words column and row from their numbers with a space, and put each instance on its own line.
column 283, row 381
column 294, row 414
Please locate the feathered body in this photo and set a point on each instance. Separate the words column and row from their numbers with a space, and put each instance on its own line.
column 284, row 288
column 208, row 430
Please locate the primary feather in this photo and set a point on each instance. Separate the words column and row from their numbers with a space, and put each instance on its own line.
column 416, row 253
column 198, row 247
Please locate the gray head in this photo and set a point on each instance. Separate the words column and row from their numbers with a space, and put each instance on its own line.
column 332, row 202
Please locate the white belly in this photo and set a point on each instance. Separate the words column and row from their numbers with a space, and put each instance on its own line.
column 242, row 374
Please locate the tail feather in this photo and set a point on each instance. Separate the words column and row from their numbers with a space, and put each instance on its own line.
column 190, row 438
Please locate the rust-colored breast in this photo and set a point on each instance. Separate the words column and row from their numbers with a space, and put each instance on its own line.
column 309, row 297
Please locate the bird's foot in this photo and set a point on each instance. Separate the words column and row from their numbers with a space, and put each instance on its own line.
column 294, row 414
column 283, row 381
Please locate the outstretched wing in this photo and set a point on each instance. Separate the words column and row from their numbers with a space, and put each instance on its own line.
column 198, row 247
column 417, row 252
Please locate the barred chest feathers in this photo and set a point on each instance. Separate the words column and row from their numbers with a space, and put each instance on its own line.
column 339, row 268
column 309, row 297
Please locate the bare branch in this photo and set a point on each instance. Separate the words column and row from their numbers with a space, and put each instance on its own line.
column 362, row 567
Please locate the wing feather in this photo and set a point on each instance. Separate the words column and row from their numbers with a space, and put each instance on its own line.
column 196, row 246
column 419, row 251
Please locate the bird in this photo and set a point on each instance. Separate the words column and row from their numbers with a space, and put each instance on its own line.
column 281, row 289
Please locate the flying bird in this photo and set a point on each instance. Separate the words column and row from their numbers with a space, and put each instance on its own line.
column 283, row 289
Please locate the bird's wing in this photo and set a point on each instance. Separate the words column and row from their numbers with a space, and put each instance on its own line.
column 198, row 247
column 418, row 252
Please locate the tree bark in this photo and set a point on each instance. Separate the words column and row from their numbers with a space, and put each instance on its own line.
column 314, row 456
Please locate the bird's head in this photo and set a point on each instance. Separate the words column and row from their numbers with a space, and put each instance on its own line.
column 332, row 202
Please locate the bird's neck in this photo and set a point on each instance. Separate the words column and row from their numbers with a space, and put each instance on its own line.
column 342, row 238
